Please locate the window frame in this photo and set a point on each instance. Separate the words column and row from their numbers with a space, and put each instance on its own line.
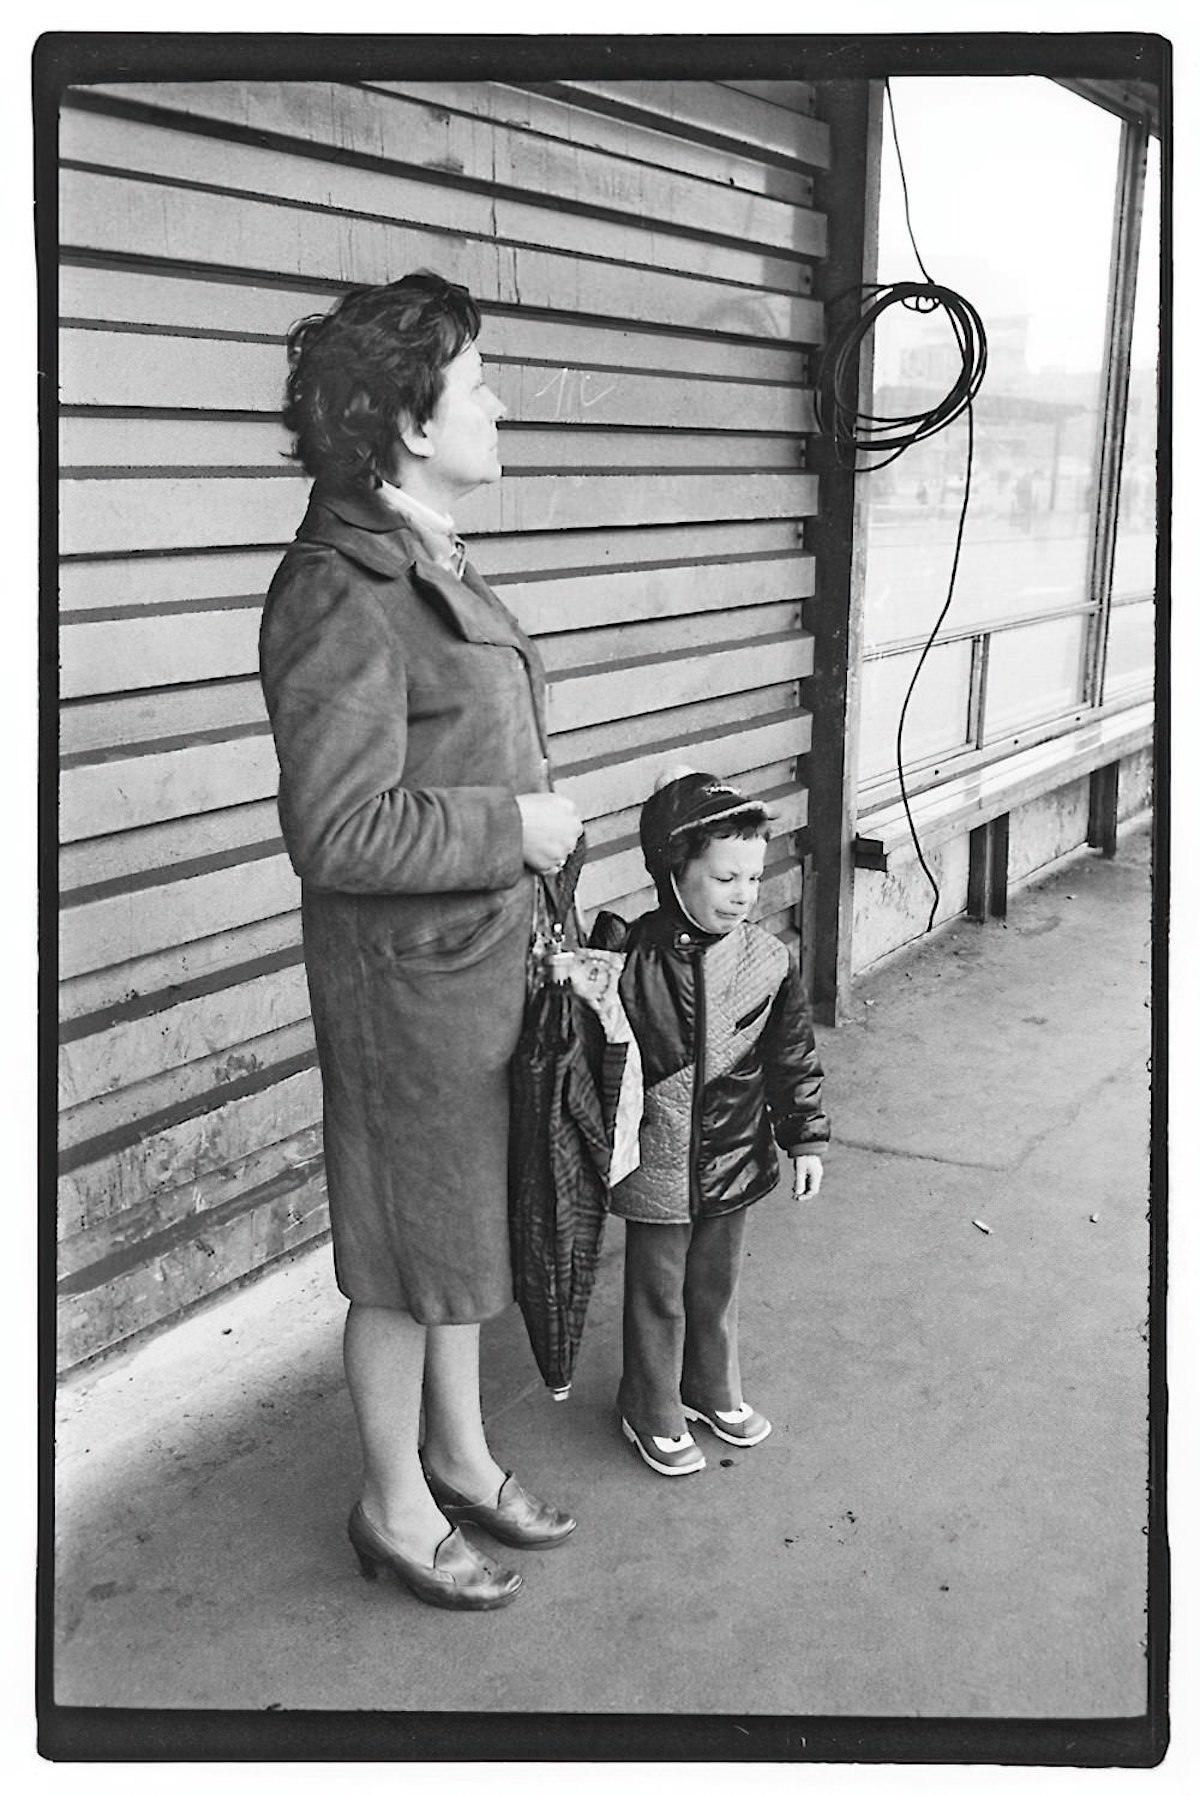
column 1096, row 604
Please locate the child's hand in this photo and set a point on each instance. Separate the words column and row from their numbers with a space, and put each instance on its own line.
column 809, row 1171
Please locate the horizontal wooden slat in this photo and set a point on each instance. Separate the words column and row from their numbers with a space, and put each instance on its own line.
column 620, row 781
column 100, row 1237
column 104, row 796
column 192, row 1083
column 155, row 649
column 104, row 213
column 734, row 433
column 150, row 978
column 566, row 653
column 195, row 578
column 126, row 1054
column 575, row 125
column 196, row 1148
column 107, row 516
column 237, row 706
column 128, row 853
column 570, row 394
column 388, row 127
column 504, row 558
column 166, row 579
column 683, row 726
column 608, row 597
column 721, row 111
column 134, row 923
column 134, row 514
column 216, row 1250
column 585, row 695
column 236, row 309
column 148, row 648
column 137, row 652
column 94, row 142
column 161, row 714
column 202, row 373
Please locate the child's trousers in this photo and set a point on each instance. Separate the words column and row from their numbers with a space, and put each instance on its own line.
column 679, row 1330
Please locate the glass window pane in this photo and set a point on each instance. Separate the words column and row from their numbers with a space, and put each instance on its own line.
column 1012, row 185
column 1133, row 564
column 1033, row 674
column 1129, row 667
column 937, row 716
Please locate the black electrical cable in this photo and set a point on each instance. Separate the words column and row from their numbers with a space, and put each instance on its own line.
column 854, row 433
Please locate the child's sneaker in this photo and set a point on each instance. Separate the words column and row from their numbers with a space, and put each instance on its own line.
column 670, row 1454
column 742, row 1427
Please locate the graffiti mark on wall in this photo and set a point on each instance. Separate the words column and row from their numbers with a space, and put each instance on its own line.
column 576, row 389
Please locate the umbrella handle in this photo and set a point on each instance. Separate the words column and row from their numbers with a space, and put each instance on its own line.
column 560, row 888
column 559, row 962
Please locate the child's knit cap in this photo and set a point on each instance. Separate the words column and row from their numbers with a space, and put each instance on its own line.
column 680, row 802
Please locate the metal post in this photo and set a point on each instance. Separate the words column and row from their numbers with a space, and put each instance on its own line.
column 1118, row 335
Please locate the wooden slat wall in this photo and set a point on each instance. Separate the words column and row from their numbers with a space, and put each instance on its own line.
column 644, row 255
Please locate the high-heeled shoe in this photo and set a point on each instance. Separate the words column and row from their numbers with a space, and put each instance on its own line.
column 515, row 1517
column 459, row 1578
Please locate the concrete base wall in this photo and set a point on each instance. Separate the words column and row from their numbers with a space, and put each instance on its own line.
column 891, row 910
column 1042, row 831
column 1136, row 789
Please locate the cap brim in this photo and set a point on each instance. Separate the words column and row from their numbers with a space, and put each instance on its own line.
column 742, row 809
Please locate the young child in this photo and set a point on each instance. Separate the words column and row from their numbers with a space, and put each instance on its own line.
column 730, row 1069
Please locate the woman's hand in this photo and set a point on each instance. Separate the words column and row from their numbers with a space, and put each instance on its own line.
column 550, row 826
column 809, row 1172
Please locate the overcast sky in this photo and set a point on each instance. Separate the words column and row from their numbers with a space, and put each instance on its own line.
column 1011, row 185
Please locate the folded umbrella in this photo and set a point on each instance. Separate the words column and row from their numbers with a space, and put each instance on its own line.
column 566, row 1082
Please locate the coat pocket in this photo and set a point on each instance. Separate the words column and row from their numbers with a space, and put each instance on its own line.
column 448, row 931
column 752, row 1016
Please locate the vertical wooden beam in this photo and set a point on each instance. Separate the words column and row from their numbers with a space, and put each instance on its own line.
column 849, row 196
column 1103, row 788
column 998, row 890
column 987, row 870
column 1118, row 336
column 979, row 872
column 808, row 925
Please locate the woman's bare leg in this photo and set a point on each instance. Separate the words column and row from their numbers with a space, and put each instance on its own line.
column 455, row 1447
column 384, row 1353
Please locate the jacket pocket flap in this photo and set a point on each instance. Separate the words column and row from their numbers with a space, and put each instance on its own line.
column 752, row 1016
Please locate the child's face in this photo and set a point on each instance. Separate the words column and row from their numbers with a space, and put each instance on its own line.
column 720, row 886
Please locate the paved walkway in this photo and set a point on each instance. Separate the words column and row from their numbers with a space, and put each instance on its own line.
column 948, row 1518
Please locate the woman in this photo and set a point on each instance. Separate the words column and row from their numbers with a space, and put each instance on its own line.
column 407, row 706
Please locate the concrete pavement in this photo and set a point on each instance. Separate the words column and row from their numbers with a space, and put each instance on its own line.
column 947, row 1520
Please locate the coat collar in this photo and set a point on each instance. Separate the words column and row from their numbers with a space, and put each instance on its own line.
column 670, row 926
column 360, row 526
column 364, row 528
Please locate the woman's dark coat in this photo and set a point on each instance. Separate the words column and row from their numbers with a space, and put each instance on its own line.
column 407, row 707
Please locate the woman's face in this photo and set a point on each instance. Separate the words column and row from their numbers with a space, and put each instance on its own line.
column 459, row 446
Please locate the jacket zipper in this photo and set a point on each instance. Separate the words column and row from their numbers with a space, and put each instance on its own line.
column 698, row 1090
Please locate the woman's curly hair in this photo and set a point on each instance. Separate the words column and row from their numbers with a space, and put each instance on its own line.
column 373, row 364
